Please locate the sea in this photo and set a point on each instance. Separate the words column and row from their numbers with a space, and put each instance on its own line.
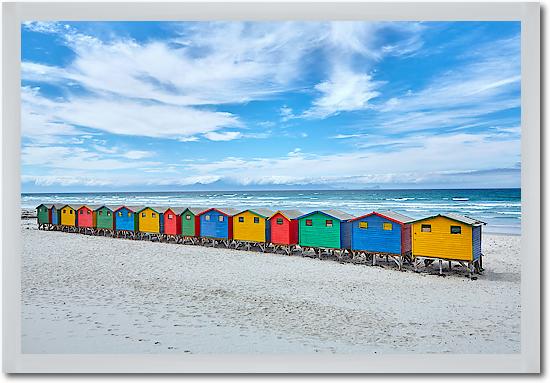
column 499, row 208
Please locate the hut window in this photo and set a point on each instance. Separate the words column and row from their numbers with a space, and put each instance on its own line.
column 363, row 225
column 70, row 212
column 64, row 211
column 309, row 222
column 144, row 214
column 153, row 215
column 328, row 223
column 188, row 217
column 256, row 220
column 108, row 213
column 100, row 212
column 388, row 226
column 241, row 219
column 88, row 212
column 279, row 221
column 220, row 218
column 120, row 214
column 129, row 214
column 456, row 230
column 207, row 217
column 81, row 211
column 426, row 228
column 169, row 216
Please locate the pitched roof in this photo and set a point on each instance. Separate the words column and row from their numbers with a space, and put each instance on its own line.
column 74, row 207
column 391, row 215
column 456, row 217
column 195, row 210
column 59, row 205
column 48, row 206
column 289, row 214
column 113, row 207
column 91, row 207
column 265, row 213
column 176, row 210
column 229, row 211
column 134, row 209
column 338, row 214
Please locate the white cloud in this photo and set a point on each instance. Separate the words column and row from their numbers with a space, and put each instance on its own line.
column 222, row 136
column 123, row 117
column 345, row 91
column 286, row 113
column 137, row 154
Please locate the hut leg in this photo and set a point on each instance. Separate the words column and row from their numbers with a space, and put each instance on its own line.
column 400, row 262
column 450, row 266
column 374, row 259
column 440, row 267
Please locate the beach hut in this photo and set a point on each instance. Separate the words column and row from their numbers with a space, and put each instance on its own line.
column 86, row 218
column 252, row 226
column 68, row 216
column 172, row 221
column 55, row 214
column 190, row 221
column 105, row 218
column 450, row 236
column 150, row 220
column 284, row 228
column 216, row 224
column 126, row 220
column 43, row 215
column 386, row 233
column 322, row 229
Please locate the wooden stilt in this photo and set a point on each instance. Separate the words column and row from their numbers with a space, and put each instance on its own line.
column 440, row 267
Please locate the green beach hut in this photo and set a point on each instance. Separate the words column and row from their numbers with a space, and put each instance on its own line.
column 190, row 221
column 104, row 217
column 322, row 228
column 43, row 214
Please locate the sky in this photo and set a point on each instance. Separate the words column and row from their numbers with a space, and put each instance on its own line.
column 150, row 106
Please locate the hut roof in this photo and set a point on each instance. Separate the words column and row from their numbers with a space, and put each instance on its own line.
column 72, row 206
column 176, row 210
column 289, row 214
column 264, row 213
column 194, row 210
column 59, row 205
column 229, row 211
column 91, row 207
column 456, row 217
column 391, row 215
column 134, row 209
column 113, row 207
column 338, row 214
column 48, row 206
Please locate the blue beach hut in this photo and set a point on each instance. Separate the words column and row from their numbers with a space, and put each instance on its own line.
column 217, row 223
column 386, row 233
column 126, row 217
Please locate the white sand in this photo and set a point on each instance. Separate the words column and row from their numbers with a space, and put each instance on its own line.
column 85, row 294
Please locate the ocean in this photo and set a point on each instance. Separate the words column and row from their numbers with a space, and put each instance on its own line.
column 500, row 208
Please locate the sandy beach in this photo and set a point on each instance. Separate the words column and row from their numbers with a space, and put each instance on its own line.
column 84, row 294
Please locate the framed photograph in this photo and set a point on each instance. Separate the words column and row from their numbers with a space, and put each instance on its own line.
column 293, row 187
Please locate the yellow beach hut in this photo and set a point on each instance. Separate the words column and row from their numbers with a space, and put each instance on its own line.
column 252, row 226
column 451, row 237
column 149, row 220
column 68, row 215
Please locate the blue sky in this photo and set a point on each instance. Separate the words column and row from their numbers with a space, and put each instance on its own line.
column 139, row 106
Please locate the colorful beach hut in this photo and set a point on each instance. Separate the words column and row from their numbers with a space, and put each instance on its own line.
column 68, row 215
column 322, row 229
column 190, row 222
column 448, row 236
column 150, row 220
column 55, row 213
column 386, row 233
column 217, row 224
column 126, row 218
column 252, row 226
column 105, row 217
column 86, row 216
column 172, row 220
column 284, row 227
column 43, row 214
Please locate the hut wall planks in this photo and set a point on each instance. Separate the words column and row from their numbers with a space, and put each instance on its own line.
column 172, row 222
column 319, row 234
column 68, row 216
column 85, row 217
column 125, row 219
column 379, row 235
column 214, row 224
column 189, row 223
column 284, row 231
column 246, row 229
column 149, row 221
column 104, row 218
column 439, row 242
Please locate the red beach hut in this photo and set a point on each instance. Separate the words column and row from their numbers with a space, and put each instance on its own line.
column 85, row 216
column 284, row 227
column 172, row 220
